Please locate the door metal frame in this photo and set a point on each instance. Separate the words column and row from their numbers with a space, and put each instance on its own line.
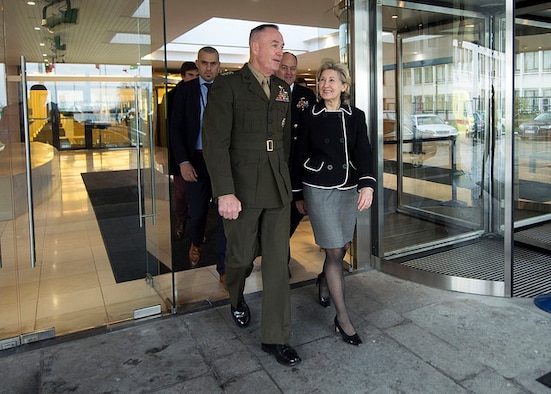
column 363, row 68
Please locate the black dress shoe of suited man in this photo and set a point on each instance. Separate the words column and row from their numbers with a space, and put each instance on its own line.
column 284, row 354
column 241, row 315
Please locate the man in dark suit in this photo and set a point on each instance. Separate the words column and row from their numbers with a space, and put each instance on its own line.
column 188, row 71
column 246, row 138
column 302, row 98
column 185, row 135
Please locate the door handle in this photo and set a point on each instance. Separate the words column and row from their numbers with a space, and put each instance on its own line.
column 141, row 209
column 28, row 165
column 139, row 163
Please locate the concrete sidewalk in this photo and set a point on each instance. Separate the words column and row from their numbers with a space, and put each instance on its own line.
column 416, row 340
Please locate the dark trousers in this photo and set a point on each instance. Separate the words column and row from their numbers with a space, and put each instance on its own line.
column 180, row 199
column 270, row 227
column 199, row 196
column 220, row 244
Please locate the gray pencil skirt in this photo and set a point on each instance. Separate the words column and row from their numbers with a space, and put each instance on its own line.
column 332, row 213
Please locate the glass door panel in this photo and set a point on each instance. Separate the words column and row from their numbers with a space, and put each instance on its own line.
column 11, row 162
column 435, row 101
column 90, row 106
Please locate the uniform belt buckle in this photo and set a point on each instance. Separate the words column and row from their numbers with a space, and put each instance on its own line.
column 269, row 145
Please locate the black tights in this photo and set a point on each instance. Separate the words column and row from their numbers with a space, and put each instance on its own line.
column 334, row 277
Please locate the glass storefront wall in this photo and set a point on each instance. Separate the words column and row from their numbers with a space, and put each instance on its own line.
column 72, row 221
column 96, row 105
column 464, row 166
column 442, row 117
column 86, row 223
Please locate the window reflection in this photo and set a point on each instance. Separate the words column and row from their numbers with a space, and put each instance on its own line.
column 99, row 106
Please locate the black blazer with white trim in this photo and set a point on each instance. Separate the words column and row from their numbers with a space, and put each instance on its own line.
column 333, row 150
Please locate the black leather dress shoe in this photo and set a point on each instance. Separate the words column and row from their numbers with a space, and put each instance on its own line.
column 180, row 228
column 284, row 354
column 241, row 315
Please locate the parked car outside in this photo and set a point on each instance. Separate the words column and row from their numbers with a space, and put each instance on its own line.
column 389, row 124
column 538, row 128
column 413, row 152
column 478, row 125
column 430, row 126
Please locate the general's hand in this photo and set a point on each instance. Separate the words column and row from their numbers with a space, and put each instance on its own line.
column 229, row 206
column 365, row 198
column 188, row 172
column 301, row 206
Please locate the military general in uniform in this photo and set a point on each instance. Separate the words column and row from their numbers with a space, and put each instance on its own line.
column 246, row 138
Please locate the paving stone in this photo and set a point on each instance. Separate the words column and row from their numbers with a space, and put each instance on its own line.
column 416, row 340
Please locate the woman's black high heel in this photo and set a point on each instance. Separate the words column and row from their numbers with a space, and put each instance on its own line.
column 351, row 339
column 324, row 301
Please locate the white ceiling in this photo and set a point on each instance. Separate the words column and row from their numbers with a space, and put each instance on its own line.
column 89, row 41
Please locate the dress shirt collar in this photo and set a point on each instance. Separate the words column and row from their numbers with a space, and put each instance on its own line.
column 202, row 81
column 257, row 74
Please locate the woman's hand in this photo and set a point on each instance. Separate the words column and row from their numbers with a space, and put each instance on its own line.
column 365, row 198
column 301, row 206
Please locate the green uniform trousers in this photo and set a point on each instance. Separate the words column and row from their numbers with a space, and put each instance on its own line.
column 265, row 229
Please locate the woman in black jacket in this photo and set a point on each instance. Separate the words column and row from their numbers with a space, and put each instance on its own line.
column 334, row 182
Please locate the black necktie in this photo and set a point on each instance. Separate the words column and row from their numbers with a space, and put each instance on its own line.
column 204, row 98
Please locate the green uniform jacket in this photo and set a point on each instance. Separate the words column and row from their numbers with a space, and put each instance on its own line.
column 246, row 139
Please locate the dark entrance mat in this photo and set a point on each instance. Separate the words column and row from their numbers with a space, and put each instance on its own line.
column 533, row 191
column 427, row 173
column 545, row 379
column 114, row 197
column 527, row 190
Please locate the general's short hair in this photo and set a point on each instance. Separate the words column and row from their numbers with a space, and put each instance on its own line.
column 260, row 29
